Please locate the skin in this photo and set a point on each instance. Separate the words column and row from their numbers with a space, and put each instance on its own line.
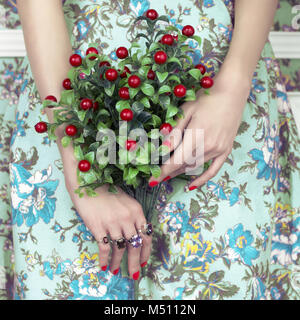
column 120, row 215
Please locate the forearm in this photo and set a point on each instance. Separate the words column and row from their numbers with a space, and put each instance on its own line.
column 48, row 48
column 253, row 21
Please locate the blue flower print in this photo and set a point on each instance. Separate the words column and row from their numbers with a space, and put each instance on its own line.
column 216, row 189
column 267, row 163
column 286, row 241
column 83, row 28
column 239, row 242
column 32, row 195
column 19, row 129
column 139, row 7
column 208, row 3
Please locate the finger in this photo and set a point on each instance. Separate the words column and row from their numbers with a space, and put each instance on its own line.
column 209, row 173
column 147, row 243
column 134, row 253
column 104, row 250
column 117, row 251
column 174, row 139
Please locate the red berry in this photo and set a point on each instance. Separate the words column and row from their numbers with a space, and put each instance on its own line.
column 151, row 75
column 165, row 128
column 124, row 93
column 84, row 165
column 152, row 14
column 206, row 82
column 71, row 130
column 126, row 115
column 122, row 53
column 86, row 104
column 104, row 63
column 51, row 98
column 111, row 74
column 41, row 127
column 180, row 91
column 134, row 81
column 96, row 105
column 124, row 73
column 167, row 39
column 188, row 31
column 160, row 57
column 92, row 50
column 67, row 84
column 75, row 60
column 175, row 37
column 130, row 145
column 201, row 67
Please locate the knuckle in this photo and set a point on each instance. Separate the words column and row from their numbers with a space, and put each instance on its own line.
column 104, row 249
column 147, row 240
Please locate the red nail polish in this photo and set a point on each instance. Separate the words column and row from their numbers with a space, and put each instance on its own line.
column 116, row 271
column 167, row 143
column 153, row 183
column 167, row 178
column 192, row 188
column 136, row 275
column 104, row 268
column 144, row 264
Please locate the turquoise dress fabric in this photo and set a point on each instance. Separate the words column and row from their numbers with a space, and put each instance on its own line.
column 237, row 237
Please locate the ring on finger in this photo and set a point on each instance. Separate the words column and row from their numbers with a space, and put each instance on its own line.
column 147, row 229
column 136, row 241
column 104, row 240
column 120, row 243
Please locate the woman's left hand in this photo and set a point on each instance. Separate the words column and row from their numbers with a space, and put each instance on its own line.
column 219, row 115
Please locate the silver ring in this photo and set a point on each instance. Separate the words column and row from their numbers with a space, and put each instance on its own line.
column 120, row 243
column 136, row 241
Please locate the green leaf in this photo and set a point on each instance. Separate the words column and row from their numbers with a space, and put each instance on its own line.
column 143, row 71
column 90, row 157
column 72, row 74
column 132, row 173
column 174, row 59
column 145, row 101
column 133, row 92
column 122, row 104
column 162, row 76
column 51, row 132
column 67, row 97
column 78, row 153
column 89, row 177
column 154, row 46
column 112, row 189
column 195, row 73
column 146, row 60
column 81, row 114
column 156, row 121
column 65, row 141
column 164, row 89
column 175, row 78
column 190, row 95
column 90, row 192
column 155, row 171
column 144, row 168
column 198, row 39
column 110, row 91
column 147, row 89
column 171, row 111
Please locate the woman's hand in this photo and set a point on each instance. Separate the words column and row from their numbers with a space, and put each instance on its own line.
column 115, row 216
column 219, row 114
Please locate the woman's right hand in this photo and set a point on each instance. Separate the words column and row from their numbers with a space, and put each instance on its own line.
column 114, row 216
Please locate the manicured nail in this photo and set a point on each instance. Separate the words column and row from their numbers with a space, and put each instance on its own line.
column 192, row 188
column 136, row 275
column 104, row 268
column 167, row 178
column 167, row 143
column 116, row 271
column 144, row 264
column 153, row 183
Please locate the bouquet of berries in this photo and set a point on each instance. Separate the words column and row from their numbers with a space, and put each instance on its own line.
column 117, row 117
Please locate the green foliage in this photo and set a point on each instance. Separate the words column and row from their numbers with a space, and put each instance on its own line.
column 152, row 103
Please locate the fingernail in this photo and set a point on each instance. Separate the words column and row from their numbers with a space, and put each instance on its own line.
column 167, row 143
column 104, row 268
column 144, row 264
column 167, row 178
column 192, row 188
column 116, row 271
column 136, row 275
column 153, row 183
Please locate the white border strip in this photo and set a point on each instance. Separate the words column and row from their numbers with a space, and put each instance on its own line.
column 12, row 43
column 285, row 44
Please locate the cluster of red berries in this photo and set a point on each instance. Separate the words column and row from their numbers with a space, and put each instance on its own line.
column 134, row 81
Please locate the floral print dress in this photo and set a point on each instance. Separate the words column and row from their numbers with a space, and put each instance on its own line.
column 237, row 237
